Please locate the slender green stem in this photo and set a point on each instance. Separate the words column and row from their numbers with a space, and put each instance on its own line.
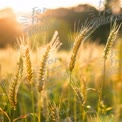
column 104, row 78
column 75, row 117
column 39, row 109
column 69, row 91
column 13, row 114
column 32, row 98
column 84, row 114
column 23, row 103
column 101, row 93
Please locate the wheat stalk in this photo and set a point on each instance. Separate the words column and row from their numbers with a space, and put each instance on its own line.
column 28, row 65
column 79, row 93
column 53, row 45
column 43, row 69
column 111, row 39
column 83, row 35
column 13, row 90
column 54, row 112
column 4, row 112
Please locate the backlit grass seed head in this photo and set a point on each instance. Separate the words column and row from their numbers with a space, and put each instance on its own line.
column 28, row 65
column 22, row 44
column 13, row 90
column 54, row 112
column 84, row 89
column 43, row 69
column 53, row 45
column 21, row 65
column 79, row 39
column 81, row 97
column 111, row 39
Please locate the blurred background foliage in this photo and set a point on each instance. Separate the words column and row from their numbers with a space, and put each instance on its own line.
column 65, row 20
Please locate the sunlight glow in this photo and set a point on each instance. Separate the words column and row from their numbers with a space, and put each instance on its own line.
column 27, row 5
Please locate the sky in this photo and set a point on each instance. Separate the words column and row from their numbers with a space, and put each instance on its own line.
column 28, row 5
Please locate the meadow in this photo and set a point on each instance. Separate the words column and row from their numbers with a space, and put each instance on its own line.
column 46, row 84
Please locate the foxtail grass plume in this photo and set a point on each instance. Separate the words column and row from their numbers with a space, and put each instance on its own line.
column 111, row 39
column 53, row 45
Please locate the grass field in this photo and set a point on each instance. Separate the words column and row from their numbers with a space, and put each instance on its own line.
column 83, row 84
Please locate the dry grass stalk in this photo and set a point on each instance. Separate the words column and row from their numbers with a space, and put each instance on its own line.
column 111, row 39
column 53, row 45
column 13, row 90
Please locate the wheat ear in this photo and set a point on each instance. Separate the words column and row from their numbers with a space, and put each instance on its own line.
column 54, row 112
column 43, row 69
column 13, row 90
column 28, row 65
column 55, row 43
column 111, row 39
column 84, row 33
column 81, row 95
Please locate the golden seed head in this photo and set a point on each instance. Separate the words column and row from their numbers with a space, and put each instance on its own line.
column 111, row 39
column 28, row 65
column 53, row 45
